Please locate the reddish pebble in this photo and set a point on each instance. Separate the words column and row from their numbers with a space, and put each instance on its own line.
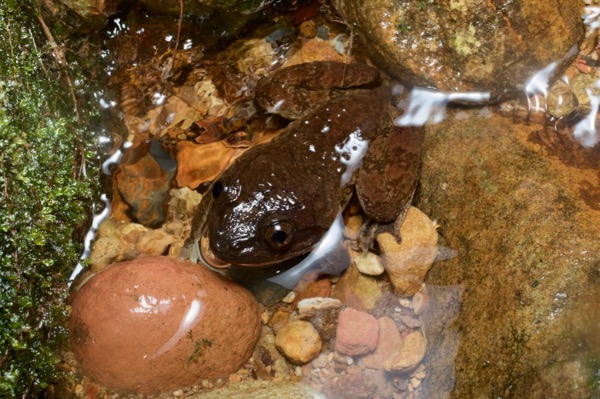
column 357, row 332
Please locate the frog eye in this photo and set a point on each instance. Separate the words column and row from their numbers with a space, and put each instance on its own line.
column 279, row 233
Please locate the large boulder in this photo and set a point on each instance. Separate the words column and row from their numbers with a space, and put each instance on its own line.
column 466, row 45
column 158, row 323
column 521, row 207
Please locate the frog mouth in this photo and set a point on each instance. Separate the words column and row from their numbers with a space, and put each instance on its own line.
column 207, row 256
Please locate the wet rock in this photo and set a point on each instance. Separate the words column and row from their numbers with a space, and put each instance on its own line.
column 268, row 362
column 387, row 345
column 261, row 390
column 357, row 332
column 357, row 290
column 419, row 301
column 409, row 354
column 520, row 211
column 298, row 341
column 143, row 181
column 312, row 305
column 197, row 164
column 280, row 317
column 104, row 251
column 350, row 386
column 466, row 45
column 408, row 262
column 95, row 13
column 369, row 263
column 155, row 242
column 157, row 323
column 315, row 289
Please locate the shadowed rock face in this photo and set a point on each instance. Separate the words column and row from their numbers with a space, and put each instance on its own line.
column 528, row 259
column 158, row 323
column 466, row 45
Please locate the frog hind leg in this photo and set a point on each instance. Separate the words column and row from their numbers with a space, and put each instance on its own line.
column 387, row 181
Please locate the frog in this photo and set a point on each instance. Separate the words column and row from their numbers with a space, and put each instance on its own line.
column 277, row 200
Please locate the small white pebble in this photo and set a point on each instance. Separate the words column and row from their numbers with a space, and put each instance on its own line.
column 405, row 302
column 298, row 371
column 178, row 392
column 289, row 298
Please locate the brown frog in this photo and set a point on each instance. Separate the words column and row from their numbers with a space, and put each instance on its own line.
column 278, row 199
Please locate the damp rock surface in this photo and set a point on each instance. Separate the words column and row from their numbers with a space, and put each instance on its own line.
column 466, row 45
column 518, row 205
column 158, row 323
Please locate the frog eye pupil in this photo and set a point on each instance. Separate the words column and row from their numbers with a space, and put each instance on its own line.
column 217, row 189
column 279, row 237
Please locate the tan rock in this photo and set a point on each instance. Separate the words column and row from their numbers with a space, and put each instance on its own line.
column 197, row 163
column 157, row 323
column 155, row 242
column 357, row 290
column 279, row 319
column 104, row 251
column 312, row 305
column 298, row 341
column 370, row 264
column 408, row 262
column 388, row 344
column 409, row 355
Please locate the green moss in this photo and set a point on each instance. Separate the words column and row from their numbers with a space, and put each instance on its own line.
column 44, row 198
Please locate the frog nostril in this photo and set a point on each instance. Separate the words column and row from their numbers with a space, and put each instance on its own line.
column 217, row 189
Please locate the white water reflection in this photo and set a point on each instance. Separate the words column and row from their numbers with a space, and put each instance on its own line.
column 328, row 243
column 427, row 105
column 585, row 131
column 87, row 242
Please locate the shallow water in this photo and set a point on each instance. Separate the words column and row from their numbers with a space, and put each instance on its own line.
column 160, row 93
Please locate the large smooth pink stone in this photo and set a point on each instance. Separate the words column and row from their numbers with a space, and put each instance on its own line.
column 158, row 323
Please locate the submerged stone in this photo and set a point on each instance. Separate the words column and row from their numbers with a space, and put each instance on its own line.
column 525, row 225
column 157, row 323
column 466, row 45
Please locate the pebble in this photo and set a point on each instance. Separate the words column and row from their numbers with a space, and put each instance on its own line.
column 279, row 319
column 312, row 305
column 321, row 361
column 409, row 355
column 357, row 290
column 298, row 341
column 357, row 332
column 178, row 392
column 408, row 262
column 369, row 263
column 388, row 344
column 289, row 298
column 410, row 321
column 420, row 301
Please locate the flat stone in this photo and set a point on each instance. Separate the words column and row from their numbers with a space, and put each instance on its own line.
column 409, row 355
